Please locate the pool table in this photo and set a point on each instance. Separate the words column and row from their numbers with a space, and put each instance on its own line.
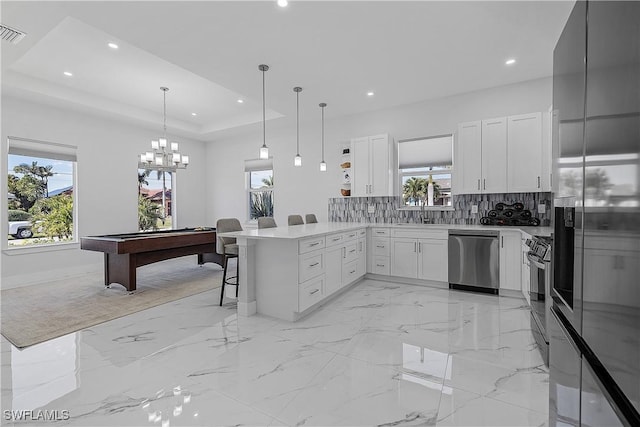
column 123, row 253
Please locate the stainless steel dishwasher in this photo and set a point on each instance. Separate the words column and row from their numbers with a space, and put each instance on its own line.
column 474, row 260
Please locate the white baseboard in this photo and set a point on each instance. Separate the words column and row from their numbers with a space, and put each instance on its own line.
column 28, row 279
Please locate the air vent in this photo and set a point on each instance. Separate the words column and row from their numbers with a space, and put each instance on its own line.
column 10, row 34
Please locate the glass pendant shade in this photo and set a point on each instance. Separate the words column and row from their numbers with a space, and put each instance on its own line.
column 323, row 166
column 297, row 160
column 264, row 152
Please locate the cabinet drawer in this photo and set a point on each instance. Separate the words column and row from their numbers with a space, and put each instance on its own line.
column 351, row 235
column 349, row 272
column 411, row 233
column 381, row 265
column 308, row 245
column 381, row 247
column 334, row 239
column 350, row 252
column 310, row 265
column 310, row 293
column 380, row 232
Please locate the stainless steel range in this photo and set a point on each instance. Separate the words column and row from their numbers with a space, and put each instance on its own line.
column 539, row 257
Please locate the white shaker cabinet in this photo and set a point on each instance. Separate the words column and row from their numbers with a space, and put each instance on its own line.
column 510, row 262
column 469, row 169
column 433, row 259
column 524, row 153
column 404, row 260
column 372, row 173
column 420, row 254
column 333, row 272
column 494, row 155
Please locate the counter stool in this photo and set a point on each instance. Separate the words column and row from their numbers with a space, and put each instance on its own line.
column 266, row 222
column 310, row 219
column 228, row 248
column 295, row 220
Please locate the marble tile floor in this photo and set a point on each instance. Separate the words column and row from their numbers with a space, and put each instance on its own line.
column 380, row 354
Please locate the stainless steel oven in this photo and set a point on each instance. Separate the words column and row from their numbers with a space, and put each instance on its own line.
column 539, row 257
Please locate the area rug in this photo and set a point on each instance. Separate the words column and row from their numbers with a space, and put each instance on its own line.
column 33, row 314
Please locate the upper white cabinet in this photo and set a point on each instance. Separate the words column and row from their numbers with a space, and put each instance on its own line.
column 524, row 153
column 372, row 166
column 504, row 155
column 470, row 154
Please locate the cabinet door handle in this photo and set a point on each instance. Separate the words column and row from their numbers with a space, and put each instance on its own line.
column 352, row 251
column 478, row 183
column 379, row 265
column 538, row 182
column 415, row 246
column 419, row 246
column 484, row 183
column 351, row 272
column 502, row 241
column 315, row 291
column 315, row 244
column 336, row 239
column 314, row 264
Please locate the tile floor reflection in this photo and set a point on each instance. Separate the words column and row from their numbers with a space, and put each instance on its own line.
column 380, row 354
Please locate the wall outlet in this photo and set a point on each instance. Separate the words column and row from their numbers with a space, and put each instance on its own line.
column 542, row 208
column 474, row 209
column 371, row 208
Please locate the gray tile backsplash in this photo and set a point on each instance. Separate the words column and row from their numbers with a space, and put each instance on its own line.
column 355, row 209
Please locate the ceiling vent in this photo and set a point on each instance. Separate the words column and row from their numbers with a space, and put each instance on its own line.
column 11, row 34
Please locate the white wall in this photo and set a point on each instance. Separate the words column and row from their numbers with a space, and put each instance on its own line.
column 306, row 190
column 107, row 186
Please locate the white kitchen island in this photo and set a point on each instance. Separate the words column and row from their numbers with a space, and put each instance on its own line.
column 286, row 272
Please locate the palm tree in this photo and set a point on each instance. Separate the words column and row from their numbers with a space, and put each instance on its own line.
column 268, row 182
column 41, row 172
column 414, row 189
column 142, row 179
column 162, row 174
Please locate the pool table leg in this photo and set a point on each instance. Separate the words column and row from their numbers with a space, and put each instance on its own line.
column 120, row 268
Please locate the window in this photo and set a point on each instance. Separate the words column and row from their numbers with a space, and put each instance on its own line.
column 259, row 188
column 41, row 193
column 155, row 200
column 425, row 161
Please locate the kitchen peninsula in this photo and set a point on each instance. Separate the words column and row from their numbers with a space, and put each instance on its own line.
column 287, row 272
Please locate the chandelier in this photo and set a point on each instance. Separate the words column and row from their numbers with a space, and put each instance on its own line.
column 164, row 156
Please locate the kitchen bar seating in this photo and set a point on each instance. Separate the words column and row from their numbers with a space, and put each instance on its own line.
column 310, row 219
column 266, row 222
column 228, row 248
column 295, row 220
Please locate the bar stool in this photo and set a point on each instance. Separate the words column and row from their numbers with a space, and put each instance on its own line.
column 295, row 220
column 266, row 222
column 228, row 248
column 310, row 219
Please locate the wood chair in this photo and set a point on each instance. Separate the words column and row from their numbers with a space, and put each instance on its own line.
column 228, row 248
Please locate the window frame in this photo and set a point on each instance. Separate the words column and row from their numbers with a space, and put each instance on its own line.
column 262, row 166
column 40, row 148
column 424, row 170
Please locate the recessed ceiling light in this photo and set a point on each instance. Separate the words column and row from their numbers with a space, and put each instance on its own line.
column 370, row 94
column 240, row 101
column 283, row 3
column 194, row 114
column 510, row 61
column 112, row 45
column 68, row 74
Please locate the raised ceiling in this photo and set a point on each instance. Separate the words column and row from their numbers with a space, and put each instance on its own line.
column 208, row 52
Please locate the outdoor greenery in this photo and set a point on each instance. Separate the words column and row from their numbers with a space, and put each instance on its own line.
column 54, row 216
column 415, row 189
column 148, row 214
column 18, row 215
column 29, row 186
column 261, row 204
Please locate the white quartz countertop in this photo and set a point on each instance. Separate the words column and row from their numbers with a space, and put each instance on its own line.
column 324, row 228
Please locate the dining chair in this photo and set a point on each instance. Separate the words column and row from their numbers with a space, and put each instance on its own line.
column 266, row 222
column 310, row 219
column 295, row 220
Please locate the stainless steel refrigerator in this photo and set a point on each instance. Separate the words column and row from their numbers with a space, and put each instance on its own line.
column 594, row 327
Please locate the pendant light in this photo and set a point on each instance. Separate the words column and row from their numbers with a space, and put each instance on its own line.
column 297, row 160
column 264, row 150
column 323, row 164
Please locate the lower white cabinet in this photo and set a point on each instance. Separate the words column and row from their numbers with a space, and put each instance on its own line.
column 379, row 251
column 422, row 257
column 433, row 260
column 526, row 271
column 333, row 269
column 404, row 258
column 510, row 262
column 310, row 292
column 362, row 256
